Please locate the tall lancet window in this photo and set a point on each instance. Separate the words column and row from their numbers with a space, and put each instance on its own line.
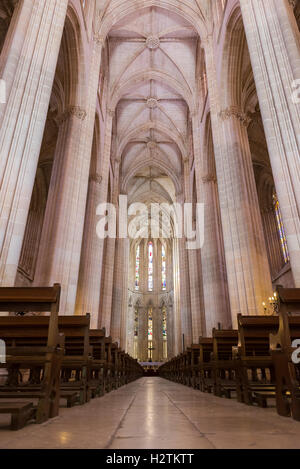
column 136, row 333
column 137, row 269
column 281, row 231
column 150, row 334
column 150, row 266
column 164, row 333
column 150, row 325
column 163, row 269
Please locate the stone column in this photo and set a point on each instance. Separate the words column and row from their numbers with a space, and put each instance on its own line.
column 120, row 292
column 276, row 258
column 156, row 334
column 185, row 297
column 213, row 269
column 273, row 41
column 170, row 295
column 215, row 292
column 60, row 248
column 88, row 293
column 177, row 302
column 158, row 268
column 27, row 65
column 194, row 277
column 143, row 334
column 160, row 334
column 249, row 280
column 91, row 264
column 124, row 316
column 131, row 323
column 107, row 285
column 170, row 330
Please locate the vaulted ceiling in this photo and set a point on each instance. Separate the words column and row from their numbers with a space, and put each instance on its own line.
column 152, row 75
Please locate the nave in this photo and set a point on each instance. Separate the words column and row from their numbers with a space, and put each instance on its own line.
column 154, row 413
column 150, row 202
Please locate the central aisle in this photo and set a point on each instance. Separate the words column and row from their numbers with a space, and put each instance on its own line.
column 157, row 414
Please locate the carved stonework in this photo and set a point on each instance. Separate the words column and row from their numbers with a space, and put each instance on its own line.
column 152, row 103
column 111, row 112
column 97, row 178
column 99, row 39
column 153, row 42
column 151, row 145
column 75, row 111
column 292, row 3
column 235, row 112
column 209, row 178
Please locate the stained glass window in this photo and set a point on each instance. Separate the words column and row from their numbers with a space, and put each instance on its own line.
column 150, row 266
column 150, row 325
column 163, row 268
column 136, row 323
column 281, row 231
column 150, row 334
column 164, row 324
column 136, row 333
column 165, row 334
column 137, row 269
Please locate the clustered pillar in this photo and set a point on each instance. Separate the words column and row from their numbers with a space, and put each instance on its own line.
column 28, row 68
column 273, row 40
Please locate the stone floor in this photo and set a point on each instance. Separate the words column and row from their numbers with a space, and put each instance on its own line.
column 156, row 414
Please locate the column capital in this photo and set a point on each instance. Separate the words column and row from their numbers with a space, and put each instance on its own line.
column 96, row 177
column 99, row 39
column 207, row 40
column 209, row 178
column 237, row 113
column 111, row 112
column 75, row 111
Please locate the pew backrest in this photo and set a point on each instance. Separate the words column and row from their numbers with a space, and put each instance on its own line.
column 33, row 300
column 254, row 333
column 289, row 318
column 206, row 349
column 223, row 342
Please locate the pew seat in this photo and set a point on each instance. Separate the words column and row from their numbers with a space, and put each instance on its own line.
column 21, row 413
column 32, row 348
column 71, row 397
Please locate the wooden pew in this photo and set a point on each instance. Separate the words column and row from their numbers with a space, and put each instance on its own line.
column 225, row 366
column 256, row 378
column 119, row 365
column 180, row 368
column 42, row 359
column 193, row 367
column 187, row 367
column 108, row 367
column 75, row 370
column 194, row 373
column 74, row 364
column 21, row 413
column 287, row 372
column 137, row 370
column 99, row 364
column 205, row 375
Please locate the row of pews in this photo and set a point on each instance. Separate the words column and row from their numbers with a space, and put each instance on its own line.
column 52, row 359
column 253, row 363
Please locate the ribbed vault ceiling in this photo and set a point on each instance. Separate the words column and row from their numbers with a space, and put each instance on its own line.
column 152, row 76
